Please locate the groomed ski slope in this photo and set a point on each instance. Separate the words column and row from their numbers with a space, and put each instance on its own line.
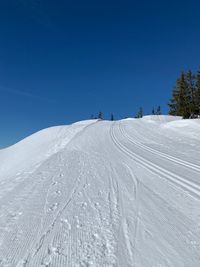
column 100, row 193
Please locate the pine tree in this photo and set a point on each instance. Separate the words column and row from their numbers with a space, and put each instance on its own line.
column 100, row 115
column 112, row 117
column 185, row 100
column 140, row 113
column 197, row 94
column 153, row 111
column 158, row 110
column 191, row 89
column 180, row 103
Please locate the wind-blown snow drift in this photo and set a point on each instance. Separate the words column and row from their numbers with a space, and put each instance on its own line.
column 99, row 193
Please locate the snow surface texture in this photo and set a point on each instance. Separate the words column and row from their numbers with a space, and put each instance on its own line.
column 99, row 193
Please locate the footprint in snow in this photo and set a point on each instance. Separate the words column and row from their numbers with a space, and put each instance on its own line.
column 96, row 204
column 65, row 223
column 21, row 263
column 78, row 224
column 15, row 216
column 58, row 192
column 84, row 205
column 46, row 261
column 86, row 185
column 53, row 207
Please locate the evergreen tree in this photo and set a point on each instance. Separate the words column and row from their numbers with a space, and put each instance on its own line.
column 197, row 94
column 185, row 100
column 158, row 111
column 140, row 113
column 180, row 103
column 112, row 117
column 100, row 115
column 153, row 111
column 191, row 89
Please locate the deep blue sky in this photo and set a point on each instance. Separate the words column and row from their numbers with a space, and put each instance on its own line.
column 61, row 61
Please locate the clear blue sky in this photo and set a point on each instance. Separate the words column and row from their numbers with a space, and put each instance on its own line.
column 61, row 61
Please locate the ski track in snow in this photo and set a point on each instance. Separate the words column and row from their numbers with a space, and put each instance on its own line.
column 102, row 197
column 164, row 155
column 192, row 188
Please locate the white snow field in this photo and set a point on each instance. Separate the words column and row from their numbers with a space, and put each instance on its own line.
column 100, row 193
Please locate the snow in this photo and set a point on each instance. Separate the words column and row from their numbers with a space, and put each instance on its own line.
column 100, row 193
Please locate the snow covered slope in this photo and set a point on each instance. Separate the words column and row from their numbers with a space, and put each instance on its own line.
column 99, row 193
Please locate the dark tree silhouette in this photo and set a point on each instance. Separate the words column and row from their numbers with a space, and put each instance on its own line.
column 112, row 117
column 179, row 103
column 140, row 113
column 100, row 115
column 158, row 110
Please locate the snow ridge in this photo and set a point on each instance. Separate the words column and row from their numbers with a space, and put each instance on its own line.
column 99, row 193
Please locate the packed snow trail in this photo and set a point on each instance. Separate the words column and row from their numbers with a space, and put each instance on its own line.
column 99, row 193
